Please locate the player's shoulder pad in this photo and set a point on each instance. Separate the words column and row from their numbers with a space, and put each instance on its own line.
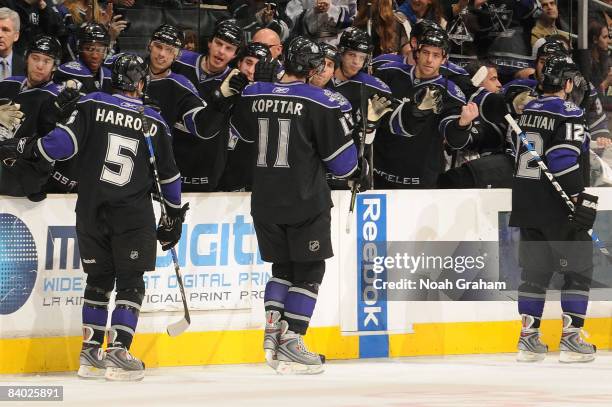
column 395, row 65
column 155, row 115
column 181, row 80
column 451, row 88
column 387, row 58
column 372, row 82
column 74, row 68
column 454, row 69
column 478, row 96
column 521, row 83
column 187, row 57
column 107, row 73
column 108, row 62
column 345, row 105
column 325, row 97
column 556, row 106
column 52, row 88
column 16, row 78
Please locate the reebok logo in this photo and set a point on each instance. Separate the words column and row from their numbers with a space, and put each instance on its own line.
column 89, row 261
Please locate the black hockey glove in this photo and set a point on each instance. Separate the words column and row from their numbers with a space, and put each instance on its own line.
column 223, row 97
column 66, row 101
column 360, row 179
column 585, row 212
column 169, row 229
column 14, row 148
column 427, row 100
column 265, row 71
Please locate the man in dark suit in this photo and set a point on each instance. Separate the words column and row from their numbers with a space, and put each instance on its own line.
column 11, row 62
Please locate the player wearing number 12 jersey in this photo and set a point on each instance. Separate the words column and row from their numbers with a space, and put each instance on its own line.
column 552, row 238
column 299, row 131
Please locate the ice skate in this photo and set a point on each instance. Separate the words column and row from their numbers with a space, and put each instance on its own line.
column 93, row 365
column 122, row 366
column 272, row 337
column 293, row 356
column 531, row 348
column 573, row 348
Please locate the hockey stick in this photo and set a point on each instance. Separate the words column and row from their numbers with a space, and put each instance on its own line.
column 178, row 327
column 568, row 202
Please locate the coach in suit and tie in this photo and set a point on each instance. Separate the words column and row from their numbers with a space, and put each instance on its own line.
column 11, row 62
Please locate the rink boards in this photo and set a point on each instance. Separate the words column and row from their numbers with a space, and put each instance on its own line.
column 42, row 284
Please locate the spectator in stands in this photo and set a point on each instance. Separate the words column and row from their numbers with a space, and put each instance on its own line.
column 601, row 13
column 416, row 10
column 11, row 63
column 388, row 33
column 547, row 22
column 36, row 18
column 598, row 44
column 271, row 39
column 256, row 14
column 191, row 40
column 321, row 20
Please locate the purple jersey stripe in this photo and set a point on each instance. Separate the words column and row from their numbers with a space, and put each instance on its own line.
column 58, row 144
column 561, row 159
column 172, row 192
column 342, row 164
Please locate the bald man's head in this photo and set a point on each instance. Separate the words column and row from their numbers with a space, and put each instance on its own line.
column 271, row 39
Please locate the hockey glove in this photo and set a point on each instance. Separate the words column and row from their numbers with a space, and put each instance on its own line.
column 169, row 229
column 10, row 117
column 518, row 100
column 265, row 71
column 427, row 100
column 233, row 83
column 66, row 101
column 378, row 106
column 585, row 212
column 360, row 179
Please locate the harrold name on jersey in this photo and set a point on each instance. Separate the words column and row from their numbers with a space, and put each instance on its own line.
column 122, row 119
column 277, row 106
column 538, row 121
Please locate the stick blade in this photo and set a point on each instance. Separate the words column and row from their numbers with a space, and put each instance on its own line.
column 178, row 327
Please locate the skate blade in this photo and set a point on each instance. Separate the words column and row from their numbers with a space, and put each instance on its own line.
column 90, row 372
column 526, row 356
column 120, row 375
column 271, row 358
column 293, row 368
column 575, row 357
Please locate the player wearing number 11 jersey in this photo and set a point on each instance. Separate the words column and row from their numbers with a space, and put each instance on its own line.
column 552, row 238
column 298, row 131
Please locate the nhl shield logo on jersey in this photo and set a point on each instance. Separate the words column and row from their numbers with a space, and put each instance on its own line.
column 314, row 246
column 134, row 254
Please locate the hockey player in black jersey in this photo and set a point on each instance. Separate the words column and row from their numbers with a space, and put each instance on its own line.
column 408, row 149
column 207, row 72
column 552, row 238
column 299, row 131
column 93, row 41
column 36, row 104
column 487, row 161
column 114, row 213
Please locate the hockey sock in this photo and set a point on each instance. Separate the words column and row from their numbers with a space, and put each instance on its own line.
column 278, row 286
column 95, row 315
column 531, row 300
column 575, row 297
column 125, row 316
column 302, row 296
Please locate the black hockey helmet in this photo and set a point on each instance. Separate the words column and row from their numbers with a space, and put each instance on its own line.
column 47, row 45
column 435, row 38
column 255, row 50
column 302, row 55
column 93, row 32
column 419, row 28
column 330, row 52
column 228, row 30
column 128, row 70
column 169, row 35
column 556, row 71
column 356, row 40
column 552, row 47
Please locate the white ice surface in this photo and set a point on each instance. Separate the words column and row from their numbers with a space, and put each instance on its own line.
column 481, row 380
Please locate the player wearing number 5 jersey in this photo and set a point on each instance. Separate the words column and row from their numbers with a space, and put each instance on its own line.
column 299, row 131
column 552, row 238
column 115, row 222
